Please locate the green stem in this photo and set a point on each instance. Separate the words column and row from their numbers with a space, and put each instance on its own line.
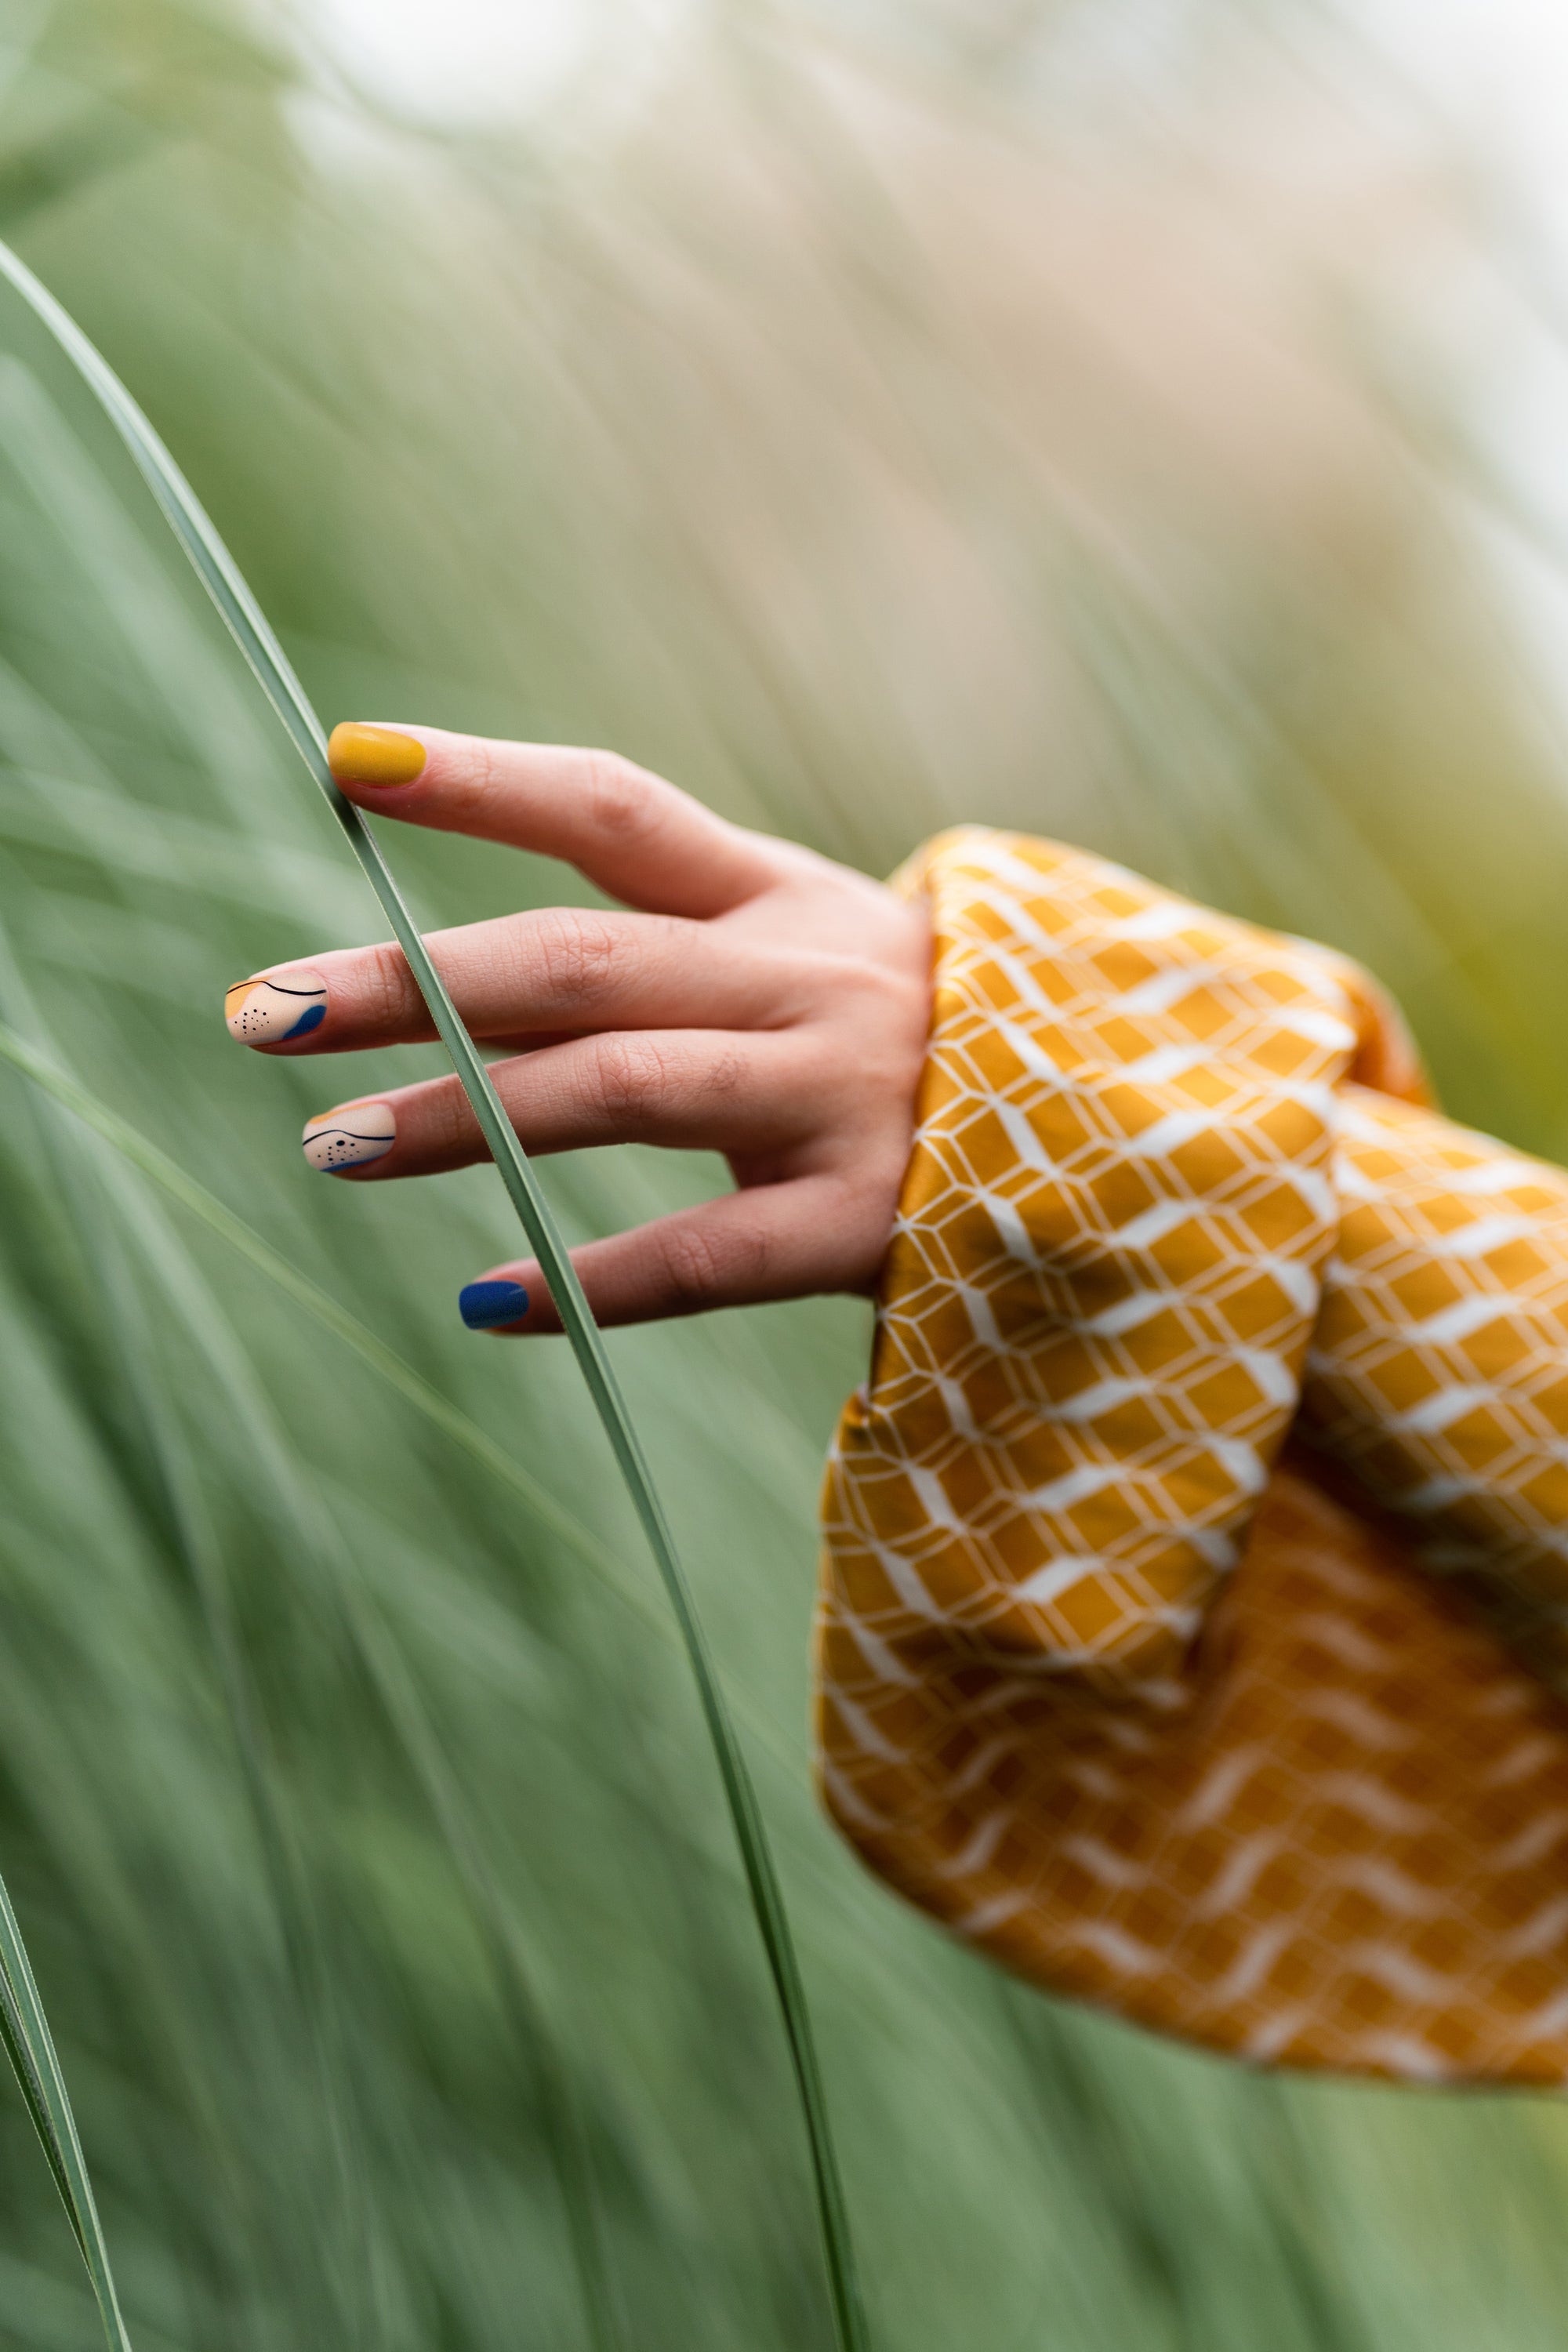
column 30, row 2047
column 221, row 577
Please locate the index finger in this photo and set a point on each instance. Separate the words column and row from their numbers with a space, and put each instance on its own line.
column 638, row 838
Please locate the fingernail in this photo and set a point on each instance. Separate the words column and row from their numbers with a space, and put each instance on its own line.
column 374, row 755
column 488, row 1306
column 351, row 1136
column 265, row 1011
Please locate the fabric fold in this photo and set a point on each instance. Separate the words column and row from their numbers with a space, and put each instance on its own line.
column 1151, row 1719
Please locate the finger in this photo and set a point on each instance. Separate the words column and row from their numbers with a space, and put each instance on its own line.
column 704, row 1090
column 780, row 1241
column 555, row 969
column 629, row 832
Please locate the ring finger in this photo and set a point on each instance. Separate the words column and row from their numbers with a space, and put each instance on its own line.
column 700, row 1089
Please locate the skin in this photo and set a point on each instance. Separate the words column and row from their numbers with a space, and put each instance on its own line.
column 747, row 997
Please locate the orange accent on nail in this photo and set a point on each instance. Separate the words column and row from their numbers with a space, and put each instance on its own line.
column 374, row 755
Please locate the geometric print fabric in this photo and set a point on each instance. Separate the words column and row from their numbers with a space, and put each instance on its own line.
column 1439, row 1368
column 1224, row 1745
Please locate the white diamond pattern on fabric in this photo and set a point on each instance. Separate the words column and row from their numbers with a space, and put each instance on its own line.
column 1102, row 1685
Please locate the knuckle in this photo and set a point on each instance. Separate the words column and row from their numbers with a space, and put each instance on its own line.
column 893, row 995
column 449, row 1120
column 484, row 765
column 388, row 986
column 620, row 797
column 577, row 954
column 887, row 1013
column 853, row 987
column 694, row 1266
column 726, row 1074
column 630, row 1079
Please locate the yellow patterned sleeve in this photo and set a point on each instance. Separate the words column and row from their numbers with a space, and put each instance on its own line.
column 1211, row 1472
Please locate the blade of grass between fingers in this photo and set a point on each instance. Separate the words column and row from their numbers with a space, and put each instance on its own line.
column 221, row 578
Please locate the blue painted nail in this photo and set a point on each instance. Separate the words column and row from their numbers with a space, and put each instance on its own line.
column 490, row 1305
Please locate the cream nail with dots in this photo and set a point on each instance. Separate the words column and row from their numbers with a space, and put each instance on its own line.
column 268, row 1011
column 350, row 1136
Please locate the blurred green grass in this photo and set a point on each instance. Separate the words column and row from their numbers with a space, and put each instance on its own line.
column 869, row 431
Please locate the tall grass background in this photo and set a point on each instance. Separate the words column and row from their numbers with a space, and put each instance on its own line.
column 1065, row 416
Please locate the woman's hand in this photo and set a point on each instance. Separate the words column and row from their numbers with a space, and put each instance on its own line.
column 758, row 1001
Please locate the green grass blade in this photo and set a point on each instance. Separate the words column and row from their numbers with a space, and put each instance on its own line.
column 565, row 2122
column 393, row 1368
column 399, row 1375
column 30, row 2047
column 221, row 578
column 14, row 2034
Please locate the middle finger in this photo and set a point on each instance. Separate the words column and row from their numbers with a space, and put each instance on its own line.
column 554, row 970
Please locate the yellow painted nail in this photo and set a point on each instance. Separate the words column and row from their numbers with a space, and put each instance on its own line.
column 374, row 755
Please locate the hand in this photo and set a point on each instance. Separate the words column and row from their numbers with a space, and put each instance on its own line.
column 760, row 1001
